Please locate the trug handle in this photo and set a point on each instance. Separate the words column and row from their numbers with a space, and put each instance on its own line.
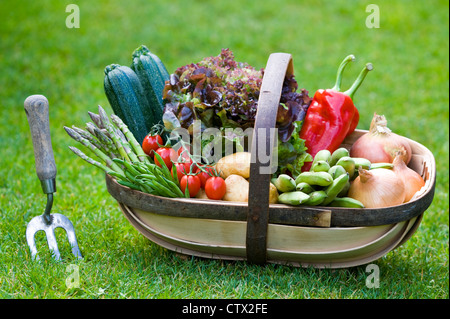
column 36, row 109
column 278, row 65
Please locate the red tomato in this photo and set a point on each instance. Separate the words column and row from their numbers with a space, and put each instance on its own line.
column 215, row 187
column 151, row 143
column 181, row 170
column 192, row 182
column 186, row 150
column 187, row 164
column 185, row 158
column 204, row 176
column 168, row 155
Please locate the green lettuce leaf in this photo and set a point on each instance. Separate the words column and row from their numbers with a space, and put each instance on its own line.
column 292, row 154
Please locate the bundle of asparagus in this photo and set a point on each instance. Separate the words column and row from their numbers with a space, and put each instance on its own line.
column 122, row 156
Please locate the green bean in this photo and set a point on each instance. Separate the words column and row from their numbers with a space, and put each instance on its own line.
column 348, row 164
column 335, row 188
column 336, row 171
column 315, row 178
column 285, row 183
column 130, row 185
column 293, row 198
column 320, row 166
column 316, row 198
column 338, row 154
column 346, row 202
column 304, row 187
column 361, row 162
column 381, row 165
column 322, row 155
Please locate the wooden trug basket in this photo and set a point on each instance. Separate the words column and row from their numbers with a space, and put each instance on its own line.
column 321, row 237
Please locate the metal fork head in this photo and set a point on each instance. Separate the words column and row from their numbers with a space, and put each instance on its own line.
column 41, row 223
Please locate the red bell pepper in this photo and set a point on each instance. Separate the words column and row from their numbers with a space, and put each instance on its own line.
column 331, row 115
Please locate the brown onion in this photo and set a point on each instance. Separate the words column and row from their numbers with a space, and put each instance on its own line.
column 380, row 144
column 377, row 188
column 412, row 180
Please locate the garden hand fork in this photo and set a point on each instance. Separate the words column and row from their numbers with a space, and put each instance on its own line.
column 36, row 108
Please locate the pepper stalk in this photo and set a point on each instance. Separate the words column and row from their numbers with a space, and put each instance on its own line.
column 344, row 63
column 362, row 75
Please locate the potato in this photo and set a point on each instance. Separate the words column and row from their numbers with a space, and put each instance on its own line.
column 273, row 194
column 237, row 188
column 237, row 164
column 201, row 194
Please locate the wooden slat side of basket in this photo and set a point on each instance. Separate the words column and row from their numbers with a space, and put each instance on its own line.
column 292, row 245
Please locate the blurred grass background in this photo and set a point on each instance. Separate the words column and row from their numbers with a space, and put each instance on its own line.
column 40, row 55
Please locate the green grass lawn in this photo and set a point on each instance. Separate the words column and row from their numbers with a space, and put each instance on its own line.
column 40, row 55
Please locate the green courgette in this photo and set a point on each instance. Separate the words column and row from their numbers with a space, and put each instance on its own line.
column 152, row 74
column 128, row 101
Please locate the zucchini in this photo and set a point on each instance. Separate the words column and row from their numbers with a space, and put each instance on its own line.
column 153, row 75
column 161, row 67
column 127, row 99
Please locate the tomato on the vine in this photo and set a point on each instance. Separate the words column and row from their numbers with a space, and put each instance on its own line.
column 185, row 157
column 192, row 182
column 215, row 187
column 181, row 170
column 185, row 151
column 204, row 174
column 167, row 154
column 151, row 143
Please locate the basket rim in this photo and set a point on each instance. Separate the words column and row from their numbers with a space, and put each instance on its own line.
column 314, row 216
column 336, row 216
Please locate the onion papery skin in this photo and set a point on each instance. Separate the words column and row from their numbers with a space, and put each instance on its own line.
column 380, row 144
column 412, row 180
column 378, row 188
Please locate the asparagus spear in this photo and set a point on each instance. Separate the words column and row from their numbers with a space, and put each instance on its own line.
column 95, row 163
column 77, row 137
column 126, row 145
column 98, row 126
column 130, row 137
column 88, row 136
column 96, row 119
column 110, row 128
column 103, row 138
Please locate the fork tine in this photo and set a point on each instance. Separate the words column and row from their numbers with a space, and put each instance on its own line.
column 32, row 243
column 52, row 244
column 75, row 249
column 65, row 223
column 72, row 238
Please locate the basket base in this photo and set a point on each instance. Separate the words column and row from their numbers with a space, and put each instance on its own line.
column 288, row 245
